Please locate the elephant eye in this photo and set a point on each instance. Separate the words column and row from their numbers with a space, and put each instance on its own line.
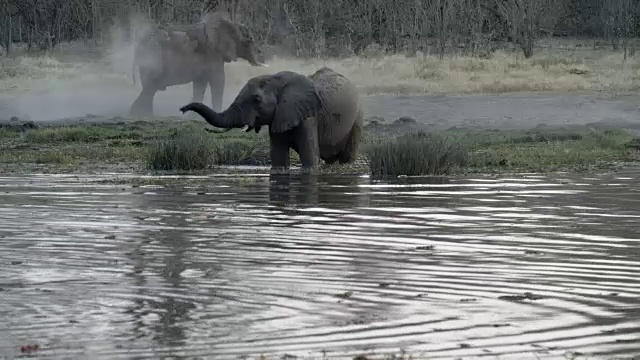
column 257, row 98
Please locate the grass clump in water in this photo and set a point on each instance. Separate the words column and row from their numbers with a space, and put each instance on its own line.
column 185, row 151
column 241, row 152
column 196, row 150
column 419, row 154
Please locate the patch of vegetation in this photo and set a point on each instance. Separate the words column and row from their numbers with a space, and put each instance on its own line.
column 461, row 150
column 242, row 152
column 77, row 134
column 550, row 150
column 420, row 154
column 189, row 151
column 182, row 145
column 196, row 150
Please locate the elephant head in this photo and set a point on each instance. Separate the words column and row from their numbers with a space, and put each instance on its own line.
column 281, row 101
column 219, row 36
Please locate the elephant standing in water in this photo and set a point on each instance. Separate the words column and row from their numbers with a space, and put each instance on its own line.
column 319, row 116
column 196, row 53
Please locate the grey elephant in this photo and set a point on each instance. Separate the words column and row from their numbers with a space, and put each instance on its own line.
column 318, row 116
column 194, row 53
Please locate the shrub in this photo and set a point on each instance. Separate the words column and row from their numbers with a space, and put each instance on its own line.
column 419, row 154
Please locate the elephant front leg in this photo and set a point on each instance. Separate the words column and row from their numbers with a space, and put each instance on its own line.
column 216, row 85
column 280, row 144
column 306, row 141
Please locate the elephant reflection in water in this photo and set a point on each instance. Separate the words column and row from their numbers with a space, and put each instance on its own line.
column 154, row 271
column 309, row 189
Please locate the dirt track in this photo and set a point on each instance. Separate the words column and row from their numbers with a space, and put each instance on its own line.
column 508, row 111
column 492, row 111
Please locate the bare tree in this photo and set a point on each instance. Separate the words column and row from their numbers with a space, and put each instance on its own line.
column 528, row 18
column 619, row 19
column 335, row 27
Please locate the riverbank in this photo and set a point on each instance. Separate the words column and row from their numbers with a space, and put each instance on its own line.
column 177, row 145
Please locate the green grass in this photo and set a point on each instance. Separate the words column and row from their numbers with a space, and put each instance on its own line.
column 549, row 150
column 78, row 134
column 183, row 145
column 460, row 151
column 190, row 151
column 420, row 154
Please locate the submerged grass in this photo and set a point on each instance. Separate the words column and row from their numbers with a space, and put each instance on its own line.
column 182, row 145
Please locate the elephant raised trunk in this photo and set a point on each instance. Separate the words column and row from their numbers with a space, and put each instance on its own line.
column 231, row 118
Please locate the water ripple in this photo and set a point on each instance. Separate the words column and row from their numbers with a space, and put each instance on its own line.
column 526, row 266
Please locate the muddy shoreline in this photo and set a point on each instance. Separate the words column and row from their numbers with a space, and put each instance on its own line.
column 507, row 111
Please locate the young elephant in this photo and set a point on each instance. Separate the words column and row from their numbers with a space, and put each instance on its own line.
column 318, row 116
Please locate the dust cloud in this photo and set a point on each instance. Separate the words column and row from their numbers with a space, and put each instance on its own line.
column 101, row 83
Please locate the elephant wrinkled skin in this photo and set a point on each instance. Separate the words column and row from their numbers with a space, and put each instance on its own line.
column 319, row 116
column 194, row 53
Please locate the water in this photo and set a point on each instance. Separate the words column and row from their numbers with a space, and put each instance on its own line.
column 518, row 267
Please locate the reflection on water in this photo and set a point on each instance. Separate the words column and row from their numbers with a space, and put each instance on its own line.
column 519, row 267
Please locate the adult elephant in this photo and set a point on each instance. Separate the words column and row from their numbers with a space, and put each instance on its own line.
column 319, row 116
column 194, row 53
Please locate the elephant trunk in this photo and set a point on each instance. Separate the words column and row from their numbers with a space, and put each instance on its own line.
column 230, row 118
column 252, row 58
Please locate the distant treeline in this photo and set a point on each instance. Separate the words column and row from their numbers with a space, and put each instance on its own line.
column 338, row 27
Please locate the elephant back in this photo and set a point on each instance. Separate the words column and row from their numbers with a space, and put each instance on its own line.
column 337, row 93
column 341, row 101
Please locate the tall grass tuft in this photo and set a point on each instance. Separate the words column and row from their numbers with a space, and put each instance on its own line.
column 196, row 150
column 419, row 154
column 242, row 152
column 186, row 151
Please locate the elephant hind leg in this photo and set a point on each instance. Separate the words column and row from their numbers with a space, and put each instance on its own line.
column 350, row 151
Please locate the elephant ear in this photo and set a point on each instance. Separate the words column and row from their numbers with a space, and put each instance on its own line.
column 297, row 101
column 222, row 36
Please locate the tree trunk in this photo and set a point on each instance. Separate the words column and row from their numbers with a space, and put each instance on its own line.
column 442, row 38
column 625, row 47
column 527, row 46
column 9, row 32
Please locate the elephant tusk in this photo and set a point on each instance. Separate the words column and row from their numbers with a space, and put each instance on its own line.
column 217, row 131
column 263, row 65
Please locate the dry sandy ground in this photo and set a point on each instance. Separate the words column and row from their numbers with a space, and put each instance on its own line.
column 485, row 111
column 519, row 111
